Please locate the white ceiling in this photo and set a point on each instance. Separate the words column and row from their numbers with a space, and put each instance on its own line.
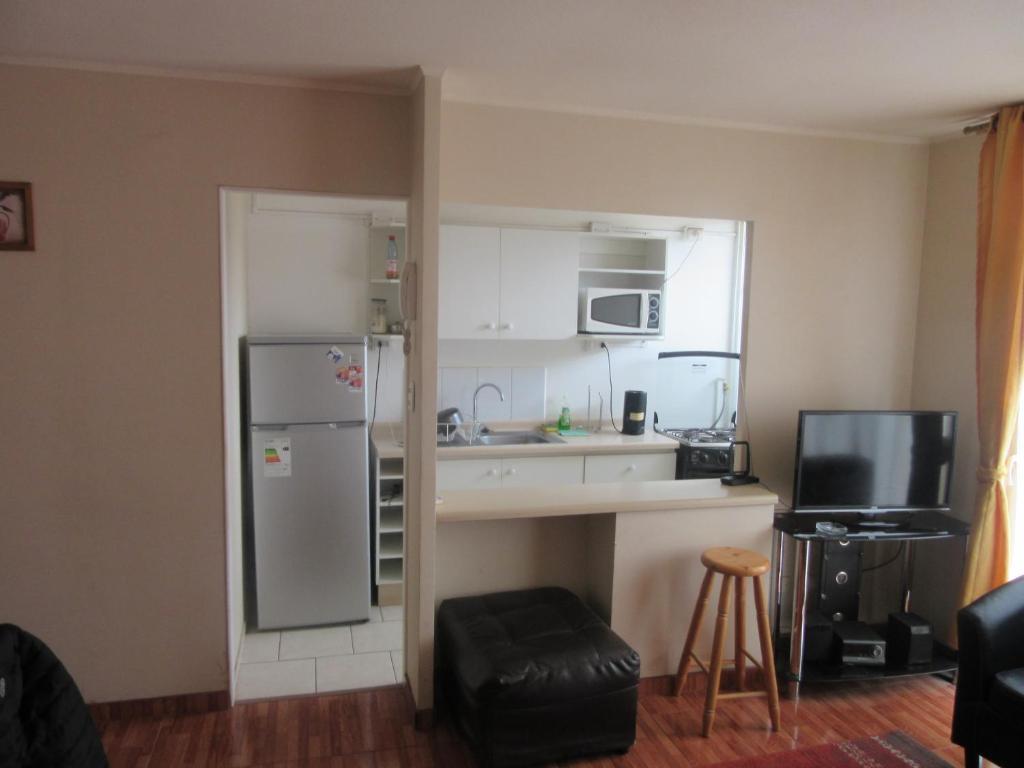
column 894, row 68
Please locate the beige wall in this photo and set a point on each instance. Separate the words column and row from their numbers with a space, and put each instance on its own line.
column 112, row 493
column 836, row 238
column 945, row 349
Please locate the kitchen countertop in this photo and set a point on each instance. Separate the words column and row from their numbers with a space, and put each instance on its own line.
column 598, row 498
column 387, row 439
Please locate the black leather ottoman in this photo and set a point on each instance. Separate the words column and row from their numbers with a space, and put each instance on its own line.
column 534, row 676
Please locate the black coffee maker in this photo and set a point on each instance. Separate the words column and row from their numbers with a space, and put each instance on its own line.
column 634, row 412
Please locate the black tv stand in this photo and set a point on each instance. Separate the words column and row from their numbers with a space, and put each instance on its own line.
column 799, row 529
column 885, row 519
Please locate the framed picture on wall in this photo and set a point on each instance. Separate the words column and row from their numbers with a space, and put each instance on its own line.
column 16, row 233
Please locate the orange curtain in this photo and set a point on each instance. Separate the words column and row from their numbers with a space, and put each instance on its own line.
column 999, row 330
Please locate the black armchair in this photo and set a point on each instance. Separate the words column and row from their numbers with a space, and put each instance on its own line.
column 988, row 716
column 44, row 723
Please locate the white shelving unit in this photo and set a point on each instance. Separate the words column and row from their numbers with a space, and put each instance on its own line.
column 380, row 286
column 608, row 261
column 389, row 513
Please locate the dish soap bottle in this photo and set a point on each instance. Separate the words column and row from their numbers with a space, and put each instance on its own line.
column 564, row 419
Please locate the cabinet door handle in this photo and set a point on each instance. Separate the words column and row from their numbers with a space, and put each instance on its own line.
column 491, row 326
column 507, row 327
column 492, row 472
column 512, row 471
column 631, row 468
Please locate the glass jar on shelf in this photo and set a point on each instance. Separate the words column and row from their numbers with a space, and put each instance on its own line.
column 379, row 316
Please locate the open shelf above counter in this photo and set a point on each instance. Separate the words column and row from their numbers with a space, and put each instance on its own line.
column 607, row 261
column 609, row 271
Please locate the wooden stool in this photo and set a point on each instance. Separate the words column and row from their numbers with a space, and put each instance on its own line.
column 733, row 564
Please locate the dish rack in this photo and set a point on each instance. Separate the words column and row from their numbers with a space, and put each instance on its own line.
column 448, row 432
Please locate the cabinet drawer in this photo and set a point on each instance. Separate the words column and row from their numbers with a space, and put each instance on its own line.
column 625, row 467
column 534, row 473
column 468, row 474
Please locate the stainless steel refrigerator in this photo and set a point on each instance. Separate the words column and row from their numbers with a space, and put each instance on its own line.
column 309, row 525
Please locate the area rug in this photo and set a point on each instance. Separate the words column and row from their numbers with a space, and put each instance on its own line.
column 892, row 750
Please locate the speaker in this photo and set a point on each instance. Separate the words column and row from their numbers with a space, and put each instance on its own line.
column 817, row 637
column 910, row 639
column 839, row 579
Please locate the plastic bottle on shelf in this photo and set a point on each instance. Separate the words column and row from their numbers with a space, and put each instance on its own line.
column 391, row 265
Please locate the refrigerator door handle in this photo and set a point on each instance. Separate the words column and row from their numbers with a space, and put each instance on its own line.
column 315, row 424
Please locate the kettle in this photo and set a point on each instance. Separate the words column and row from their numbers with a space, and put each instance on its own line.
column 634, row 412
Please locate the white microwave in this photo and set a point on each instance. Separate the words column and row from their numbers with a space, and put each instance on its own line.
column 620, row 310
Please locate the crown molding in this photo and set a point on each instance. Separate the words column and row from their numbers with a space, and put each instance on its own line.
column 656, row 117
column 219, row 77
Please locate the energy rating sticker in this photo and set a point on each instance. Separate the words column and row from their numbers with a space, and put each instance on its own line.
column 277, row 457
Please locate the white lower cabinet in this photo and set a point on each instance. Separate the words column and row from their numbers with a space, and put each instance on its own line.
column 626, row 467
column 468, row 474
column 534, row 473
column 478, row 474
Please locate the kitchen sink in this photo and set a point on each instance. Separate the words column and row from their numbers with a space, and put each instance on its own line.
column 516, row 438
column 453, row 441
column 493, row 437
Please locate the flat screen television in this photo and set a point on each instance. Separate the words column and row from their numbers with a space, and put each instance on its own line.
column 874, row 461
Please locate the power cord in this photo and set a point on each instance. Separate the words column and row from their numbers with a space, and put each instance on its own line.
column 376, row 385
column 721, row 411
column 890, row 561
column 611, row 391
column 686, row 258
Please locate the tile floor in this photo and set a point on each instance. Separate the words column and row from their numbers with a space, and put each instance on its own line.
column 322, row 660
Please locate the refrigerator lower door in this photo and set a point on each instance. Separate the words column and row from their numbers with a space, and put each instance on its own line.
column 311, row 538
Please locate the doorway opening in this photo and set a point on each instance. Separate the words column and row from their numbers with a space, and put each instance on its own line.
column 300, row 272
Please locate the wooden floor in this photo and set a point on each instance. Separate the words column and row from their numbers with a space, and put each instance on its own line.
column 371, row 729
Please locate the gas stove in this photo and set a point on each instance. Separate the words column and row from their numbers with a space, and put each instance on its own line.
column 709, row 438
column 702, row 452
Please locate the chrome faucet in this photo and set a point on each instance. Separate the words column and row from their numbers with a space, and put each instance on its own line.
column 476, row 395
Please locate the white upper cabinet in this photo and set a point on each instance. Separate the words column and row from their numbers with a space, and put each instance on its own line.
column 539, row 293
column 469, row 272
column 507, row 283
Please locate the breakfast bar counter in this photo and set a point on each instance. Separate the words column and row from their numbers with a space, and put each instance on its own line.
column 630, row 550
column 602, row 498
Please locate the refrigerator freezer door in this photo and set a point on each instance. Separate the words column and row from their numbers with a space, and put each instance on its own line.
column 311, row 536
column 307, row 383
